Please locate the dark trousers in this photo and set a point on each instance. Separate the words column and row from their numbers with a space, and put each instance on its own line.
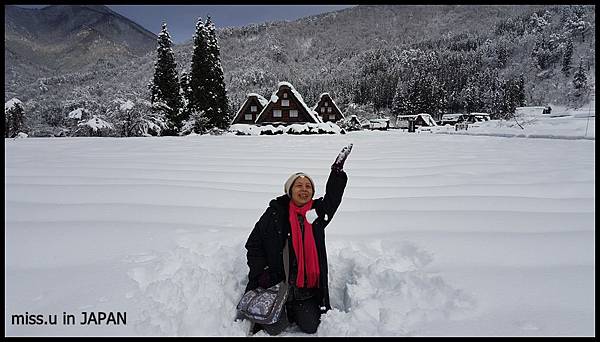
column 306, row 313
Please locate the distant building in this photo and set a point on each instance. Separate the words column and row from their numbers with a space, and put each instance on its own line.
column 286, row 106
column 250, row 109
column 421, row 120
column 327, row 109
column 533, row 110
column 452, row 119
column 477, row 117
column 379, row 124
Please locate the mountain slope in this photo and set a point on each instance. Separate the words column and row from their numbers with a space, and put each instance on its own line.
column 62, row 39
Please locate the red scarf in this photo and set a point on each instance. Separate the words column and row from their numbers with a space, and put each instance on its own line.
column 304, row 247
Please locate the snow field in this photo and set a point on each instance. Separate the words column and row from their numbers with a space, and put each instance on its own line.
column 436, row 235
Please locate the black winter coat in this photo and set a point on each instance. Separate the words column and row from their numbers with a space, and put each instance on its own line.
column 266, row 241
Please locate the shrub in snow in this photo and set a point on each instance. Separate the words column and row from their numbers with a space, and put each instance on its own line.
column 21, row 135
column 216, row 131
column 95, row 126
column 139, row 118
column 197, row 123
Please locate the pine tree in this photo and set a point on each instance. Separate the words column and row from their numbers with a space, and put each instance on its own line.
column 198, row 101
column 401, row 103
column 165, row 84
column 218, row 110
column 520, row 91
column 567, row 55
column 580, row 79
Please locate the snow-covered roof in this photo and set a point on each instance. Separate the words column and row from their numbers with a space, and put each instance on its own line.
column 311, row 112
column 475, row 113
column 319, row 100
column 332, row 102
column 263, row 102
column 261, row 99
column 11, row 103
column 426, row 117
column 532, row 107
column 275, row 98
column 452, row 116
column 530, row 110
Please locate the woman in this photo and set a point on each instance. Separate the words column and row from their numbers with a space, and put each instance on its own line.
column 297, row 218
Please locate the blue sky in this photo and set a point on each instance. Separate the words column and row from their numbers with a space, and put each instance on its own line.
column 181, row 19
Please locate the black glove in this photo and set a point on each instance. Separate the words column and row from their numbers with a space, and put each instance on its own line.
column 338, row 164
column 264, row 280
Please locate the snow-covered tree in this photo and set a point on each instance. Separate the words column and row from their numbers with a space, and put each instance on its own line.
column 139, row 118
column 538, row 22
column 165, row 84
column 574, row 21
column 199, row 71
column 196, row 123
column 217, row 112
column 567, row 55
column 207, row 93
column 580, row 79
column 513, row 96
column 95, row 126
column 14, row 118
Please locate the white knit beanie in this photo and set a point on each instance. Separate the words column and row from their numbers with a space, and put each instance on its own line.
column 287, row 187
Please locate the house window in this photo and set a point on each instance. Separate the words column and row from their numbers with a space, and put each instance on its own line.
column 325, row 104
column 285, row 103
column 331, row 117
column 285, row 95
column 328, row 109
column 293, row 113
column 322, row 109
column 253, row 109
column 248, row 117
column 276, row 113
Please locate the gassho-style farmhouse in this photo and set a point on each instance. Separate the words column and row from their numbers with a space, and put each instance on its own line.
column 286, row 106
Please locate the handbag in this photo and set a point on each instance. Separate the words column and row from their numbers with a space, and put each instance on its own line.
column 265, row 306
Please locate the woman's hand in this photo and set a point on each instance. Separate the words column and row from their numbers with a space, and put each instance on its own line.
column 338, row 164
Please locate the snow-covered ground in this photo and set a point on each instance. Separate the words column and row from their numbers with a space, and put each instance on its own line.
column 438, row 234
column 561, row 123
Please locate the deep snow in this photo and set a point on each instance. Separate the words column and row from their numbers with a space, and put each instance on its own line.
column 437, row 234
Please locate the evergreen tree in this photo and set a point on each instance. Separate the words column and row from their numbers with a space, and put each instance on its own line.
column 185, row 91
column 520, row 91
column 513, row 95
column 165, row 84
column 567, row 55
column 217, row 111
column 580, row 79
column 200, row 72
column 401, row 104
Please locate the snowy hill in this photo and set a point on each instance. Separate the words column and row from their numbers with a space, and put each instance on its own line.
column 436, row 234
column 63, row 39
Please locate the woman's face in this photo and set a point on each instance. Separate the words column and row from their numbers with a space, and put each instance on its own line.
column 302, row 191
